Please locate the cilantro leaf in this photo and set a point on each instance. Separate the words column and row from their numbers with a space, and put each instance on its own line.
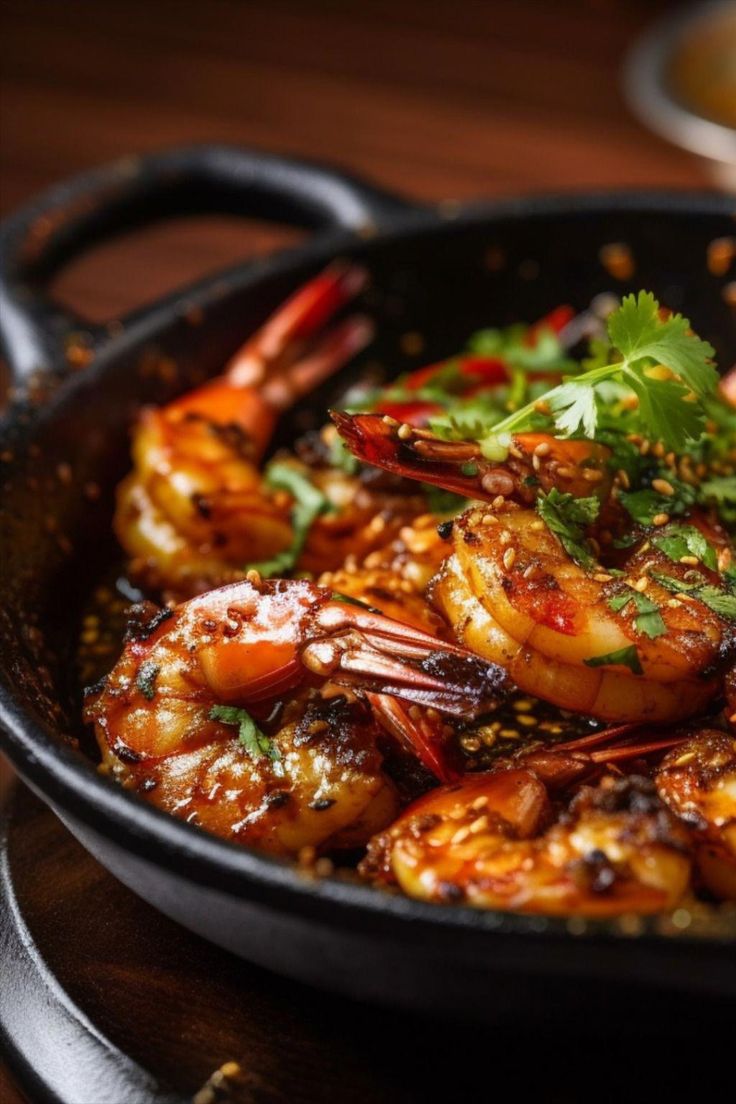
column 624, row 657
column 670, row 402
column 721, row 602
column 574, row 407
column 686, row 540
column 721, row 491
column 644, row 505
column 620, row 601
column 665, row 403
column 638, row 332
column 649, row 620
column 256, row 743
column 565, row 516
column 308, row 505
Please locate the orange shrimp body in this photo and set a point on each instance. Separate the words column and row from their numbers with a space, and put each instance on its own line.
column 195, row 510
column 493, row 841
column 179, row 718
column 514, row 595
column 325, row 787
column 697, row 780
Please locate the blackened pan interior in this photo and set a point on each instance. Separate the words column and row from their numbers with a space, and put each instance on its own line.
column 434, row 282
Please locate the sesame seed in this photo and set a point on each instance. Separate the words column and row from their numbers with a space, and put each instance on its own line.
column 253, row 577
column 644, row 448
column 478, row 825
column 660, row 519
column 497, row 483
column 536, row 462
column 461, row 835
column 516, row 452
column 641, row 584
column 543, row 449
column 592, row 475
column 404, row 432
column 692, row 561
column 498, row 502
column 504, row 538
column 663, row 487
column 523, row 705
column 674, row 603
column 509, row 557
column 542, row 406
column 602, row 577
column 623, row 479
column 537, row 525
column 389, row 421
column 480, row 802
column 565, row 473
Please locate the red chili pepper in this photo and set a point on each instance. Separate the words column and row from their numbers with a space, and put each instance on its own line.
column 487, row 369
column 556, row 321
column 413, row 413
column 415, row 380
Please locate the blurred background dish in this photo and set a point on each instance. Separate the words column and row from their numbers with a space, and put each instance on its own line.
column 680, row 79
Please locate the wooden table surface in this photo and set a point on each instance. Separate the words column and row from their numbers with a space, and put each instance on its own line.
column 447, row 99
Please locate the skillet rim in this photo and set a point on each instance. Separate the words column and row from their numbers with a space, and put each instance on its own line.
column 62, row 776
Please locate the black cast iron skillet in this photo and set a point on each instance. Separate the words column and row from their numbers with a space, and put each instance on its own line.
column 439, row 274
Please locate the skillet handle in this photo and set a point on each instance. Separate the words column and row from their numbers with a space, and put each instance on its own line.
column 37, row 240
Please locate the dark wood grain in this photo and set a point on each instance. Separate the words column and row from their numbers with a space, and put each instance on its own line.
column 448, row 99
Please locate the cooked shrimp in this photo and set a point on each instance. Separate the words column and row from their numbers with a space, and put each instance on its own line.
column 697, row 779
column 195, row 509
column 395, row 577
column 165, row 715
column 514, row 595
column 324, row 787
column 494, row 841
column 512, row 592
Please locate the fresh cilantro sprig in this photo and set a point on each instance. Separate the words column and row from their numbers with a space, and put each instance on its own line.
column 661, row 360
column 566, row 517
column 309, row 503
column 256, row 743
